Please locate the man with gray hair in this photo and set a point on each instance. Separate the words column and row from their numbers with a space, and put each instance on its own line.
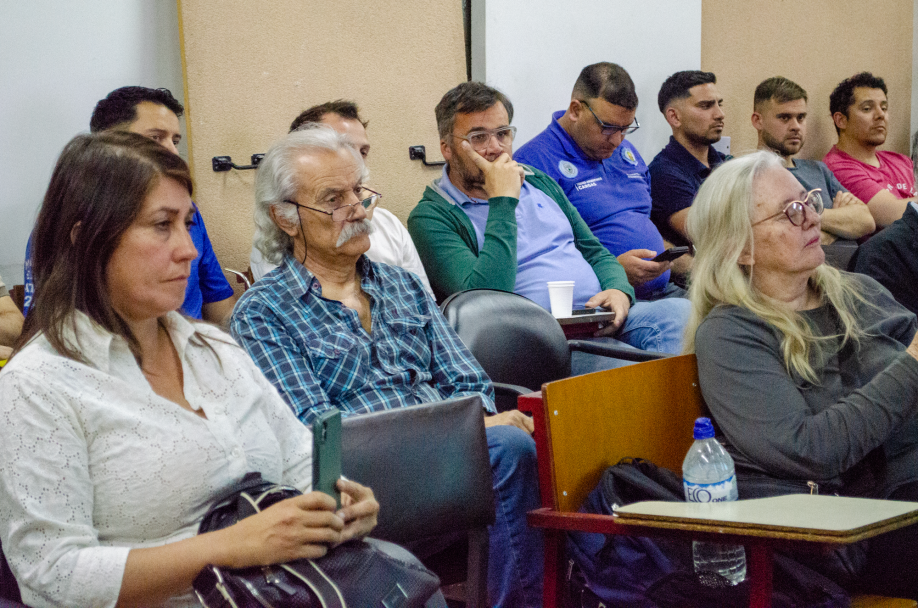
column 331, row 328
column 390, row 243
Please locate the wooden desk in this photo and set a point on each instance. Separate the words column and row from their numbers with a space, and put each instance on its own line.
column 587, row 423
column 833, row 520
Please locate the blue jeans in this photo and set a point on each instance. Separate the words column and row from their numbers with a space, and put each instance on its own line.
column 515, row 551
column 657, row 326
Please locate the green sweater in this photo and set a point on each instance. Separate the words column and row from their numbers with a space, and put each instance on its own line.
column 448, row 247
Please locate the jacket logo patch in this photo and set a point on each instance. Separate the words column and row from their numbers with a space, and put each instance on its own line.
column 567, row 169
column 628, row 155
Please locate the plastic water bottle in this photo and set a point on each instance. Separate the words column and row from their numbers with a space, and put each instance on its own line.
column 708, row 475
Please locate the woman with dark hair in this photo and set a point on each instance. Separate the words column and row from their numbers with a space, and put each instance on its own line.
column 811, row 374
column 121, row 421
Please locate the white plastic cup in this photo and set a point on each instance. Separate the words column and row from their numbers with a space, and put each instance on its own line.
column 561, row 296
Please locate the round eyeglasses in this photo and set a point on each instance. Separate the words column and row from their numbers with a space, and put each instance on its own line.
column 796, row 210
column 480, row 139
column 345, row 212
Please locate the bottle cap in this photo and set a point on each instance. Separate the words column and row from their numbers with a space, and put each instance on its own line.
column 703, row 428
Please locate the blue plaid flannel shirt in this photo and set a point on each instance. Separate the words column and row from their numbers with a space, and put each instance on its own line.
column 317, row 354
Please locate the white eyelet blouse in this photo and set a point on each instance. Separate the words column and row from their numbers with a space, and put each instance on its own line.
column 93, row 462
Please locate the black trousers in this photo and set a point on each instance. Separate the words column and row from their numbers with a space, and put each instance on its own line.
column 892, row 558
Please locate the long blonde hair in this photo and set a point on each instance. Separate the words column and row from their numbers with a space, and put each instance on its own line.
column 720, row 225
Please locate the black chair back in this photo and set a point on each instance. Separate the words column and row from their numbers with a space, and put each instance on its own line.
column 428, row 466
column 515, row 340
column 9, row 588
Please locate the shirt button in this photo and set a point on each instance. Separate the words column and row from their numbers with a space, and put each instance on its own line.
column 237, row 453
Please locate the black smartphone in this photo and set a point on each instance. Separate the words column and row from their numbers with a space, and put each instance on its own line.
column 588, row 311
column 672, row 253
column 326, row 453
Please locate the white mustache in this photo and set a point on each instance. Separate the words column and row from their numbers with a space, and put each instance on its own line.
column 352, row 229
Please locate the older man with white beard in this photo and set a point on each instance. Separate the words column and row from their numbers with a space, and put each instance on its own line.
column 331, row 328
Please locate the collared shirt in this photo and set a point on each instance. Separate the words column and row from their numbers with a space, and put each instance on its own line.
column 206, row 282
column 612, row 195
column 675, row 177
column 895, row 174
column 545, row 249
column 318, row 355
column 96, row 463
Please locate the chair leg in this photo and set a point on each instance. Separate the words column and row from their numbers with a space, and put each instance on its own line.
column 476, row 584
column 760, row 576
column 554, row 569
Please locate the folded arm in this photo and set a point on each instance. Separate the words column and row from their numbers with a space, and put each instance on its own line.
column 886, row 208
column 848, row 218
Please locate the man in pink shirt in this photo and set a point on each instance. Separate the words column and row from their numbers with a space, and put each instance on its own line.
column 884, row 180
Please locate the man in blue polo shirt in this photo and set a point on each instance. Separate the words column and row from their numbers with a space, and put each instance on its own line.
column 585, row 151
column 154, row 113
column 693, row 108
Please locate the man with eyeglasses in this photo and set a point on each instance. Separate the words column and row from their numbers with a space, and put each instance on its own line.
column 780, row 117
column 490, row 222
column 585, row 150
column 692, row 106
column 331, row 328
column 390, row 243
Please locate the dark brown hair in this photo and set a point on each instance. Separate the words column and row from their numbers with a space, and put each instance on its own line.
column 678, row 86
column 468, row 98
column 343, row 108
column 120, row 106
column 842, row 98
column 607, row 81
column 97, row 190
column 779, row 89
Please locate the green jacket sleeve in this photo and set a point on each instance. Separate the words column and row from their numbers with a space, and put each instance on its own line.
column 448, row 247
column 611, row 274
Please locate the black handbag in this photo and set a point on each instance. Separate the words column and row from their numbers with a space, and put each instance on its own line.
column 354, row 574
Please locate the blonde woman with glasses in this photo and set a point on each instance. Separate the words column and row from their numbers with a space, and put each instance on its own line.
column 811, row 374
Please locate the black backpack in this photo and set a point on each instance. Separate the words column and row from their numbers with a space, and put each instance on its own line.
column 640, row 572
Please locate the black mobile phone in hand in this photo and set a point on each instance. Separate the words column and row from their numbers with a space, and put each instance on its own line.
column 326, row 453
column 672, row 253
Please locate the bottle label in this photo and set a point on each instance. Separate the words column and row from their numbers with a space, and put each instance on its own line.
column 722, row 491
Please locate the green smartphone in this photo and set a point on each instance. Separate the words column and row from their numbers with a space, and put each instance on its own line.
column 326, row 453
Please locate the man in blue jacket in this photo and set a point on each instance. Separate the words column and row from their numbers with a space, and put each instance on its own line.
column 584, row 149
column 155, row 113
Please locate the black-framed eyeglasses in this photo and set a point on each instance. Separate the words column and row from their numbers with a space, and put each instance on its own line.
column 480, row 139
column 344, row 212
column 796, row 210
column 608, row 129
